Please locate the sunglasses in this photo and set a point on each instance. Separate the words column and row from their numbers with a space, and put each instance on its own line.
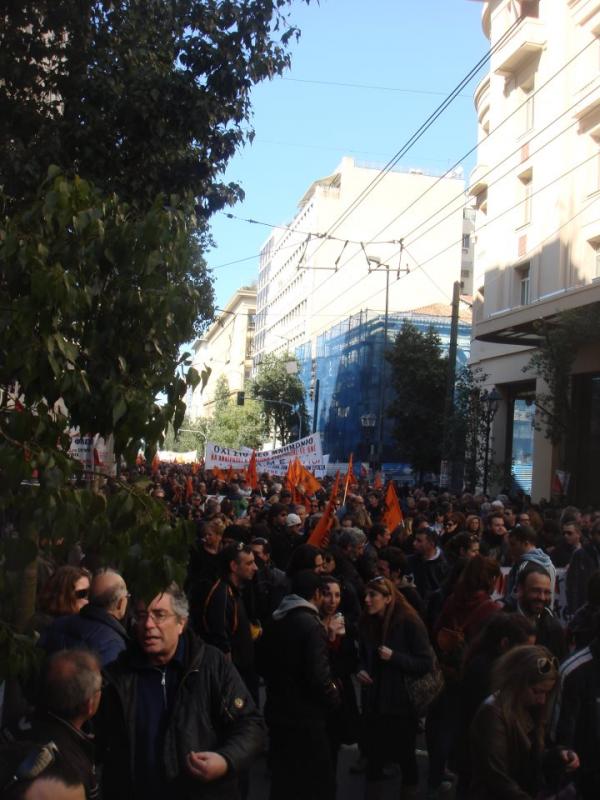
column 546, row 665
column 81, row 593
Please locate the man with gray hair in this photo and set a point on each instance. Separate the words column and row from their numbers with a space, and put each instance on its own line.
column 98, row 626
column 176, row 719
column 69, row 696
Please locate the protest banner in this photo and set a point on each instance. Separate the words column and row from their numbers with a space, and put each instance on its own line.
column 171, row 457
column 276, row 461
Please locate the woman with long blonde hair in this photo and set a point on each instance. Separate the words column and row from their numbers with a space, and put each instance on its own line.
column 508, row 757
column 393, row 644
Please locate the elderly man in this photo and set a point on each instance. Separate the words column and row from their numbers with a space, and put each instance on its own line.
column 69, row 696
column 98, row 625
column 176, row 720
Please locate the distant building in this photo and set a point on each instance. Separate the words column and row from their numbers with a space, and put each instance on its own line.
column 322, row 280
column 226, row 350
column 536, row 188
column 343, row 380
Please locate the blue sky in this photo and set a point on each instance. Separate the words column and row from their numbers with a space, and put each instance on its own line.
column 411, row 53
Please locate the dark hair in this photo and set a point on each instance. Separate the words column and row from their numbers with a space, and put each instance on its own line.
column 460, row 541
column 58, row 594
column 394, row 557
column 430, row 533
column 531, row 569
column 376, row 530
column 515, row 628
column 524, row 534
column 306, row 584
column 480, row 574
column 266, row 544
column 303, row 557
column 274, row 511
column 232, row 552
column 70, row 678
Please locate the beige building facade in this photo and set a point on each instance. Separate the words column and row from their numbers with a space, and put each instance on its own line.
column 410, row 221
column 226, row 350
column 536, row 189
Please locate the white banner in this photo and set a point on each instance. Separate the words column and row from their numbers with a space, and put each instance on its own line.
column 559, row 605
column 171, row 457
column 308, row 450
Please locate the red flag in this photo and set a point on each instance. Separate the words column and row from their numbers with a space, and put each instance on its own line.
column 155, row 463
column 323, row 526
column 252, row 475
column 189, row 488
column 350, row 477
column 393, row 513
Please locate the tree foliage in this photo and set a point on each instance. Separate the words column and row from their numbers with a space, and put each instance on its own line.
column 233, row 425
column 117, row 121
column 418, row 376
column 191, row 436
column 282, row 397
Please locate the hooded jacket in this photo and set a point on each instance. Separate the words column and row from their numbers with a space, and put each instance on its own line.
column 294, row 661
column 535, row 556
column 210, row 709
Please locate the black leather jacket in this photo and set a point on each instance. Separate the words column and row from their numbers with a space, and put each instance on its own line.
column 212, row 711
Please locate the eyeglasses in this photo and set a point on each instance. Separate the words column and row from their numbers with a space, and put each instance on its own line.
column 159, row 617
column 546, row 665
column 81, row 593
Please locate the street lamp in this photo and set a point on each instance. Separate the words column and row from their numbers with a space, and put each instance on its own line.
column 490, row 402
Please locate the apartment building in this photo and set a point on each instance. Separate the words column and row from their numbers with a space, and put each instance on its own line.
column 536, row 189
column 226, row 350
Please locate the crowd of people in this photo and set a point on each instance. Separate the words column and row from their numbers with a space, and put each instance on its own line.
column 435, row 632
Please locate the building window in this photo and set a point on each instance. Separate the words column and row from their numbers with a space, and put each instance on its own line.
column 522, row 274
column 525, row 187
column 527, row 106
column 466, row 241
column 530, row 8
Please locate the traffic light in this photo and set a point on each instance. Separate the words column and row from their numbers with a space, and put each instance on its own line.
column 240, row 398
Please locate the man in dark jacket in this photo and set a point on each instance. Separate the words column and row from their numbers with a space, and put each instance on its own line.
column 583, row 563
column 176, row 720
column 69, row 696
column 578, row 718
column 98, row 626
column 532, row 599
column 428, row 566
column 225, row 623
column 300, row 694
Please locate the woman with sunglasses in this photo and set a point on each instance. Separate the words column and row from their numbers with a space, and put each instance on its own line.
column 65, row 592
column 393, row 645
column 508, row 757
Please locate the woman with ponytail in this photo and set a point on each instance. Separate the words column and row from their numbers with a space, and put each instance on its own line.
column 393, row 644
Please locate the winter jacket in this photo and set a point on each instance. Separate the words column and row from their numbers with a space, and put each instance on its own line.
column 469, row 615
column 428, row 574
column 210, row 710
column 548, row 630
column 75, row 748
column 584, row 562
column 225, row 624
column 93, row 628
column 577, row 715
column 494, row 546
column 535, row 556
column 411, row 655
column 293, row 659
column 505, row 764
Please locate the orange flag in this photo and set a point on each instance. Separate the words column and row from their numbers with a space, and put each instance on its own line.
column 308, row 482
column 323, row 526
column 155, row 463
column 350, row 477
column 251, row 473
column 189, row 488
column 378, row 482
column 393, row 515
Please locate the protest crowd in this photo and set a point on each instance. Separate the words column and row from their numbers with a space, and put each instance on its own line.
column 318, row 615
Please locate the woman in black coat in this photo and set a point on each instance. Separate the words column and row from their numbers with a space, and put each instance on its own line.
column 393, row 644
